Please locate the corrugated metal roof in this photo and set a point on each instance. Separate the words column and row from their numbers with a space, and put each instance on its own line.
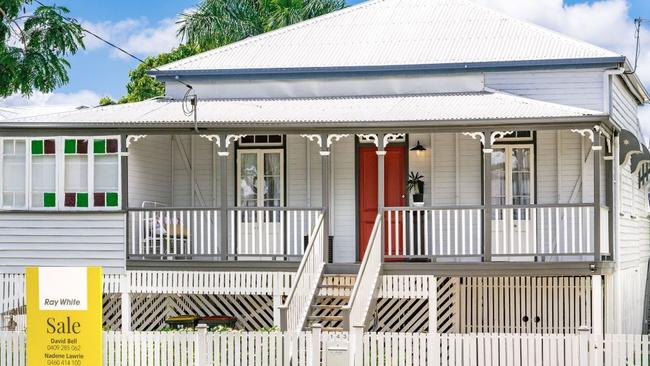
column 396, row 32
column 314, row 112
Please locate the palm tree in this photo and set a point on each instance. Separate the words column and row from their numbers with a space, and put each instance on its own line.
column 215, row 23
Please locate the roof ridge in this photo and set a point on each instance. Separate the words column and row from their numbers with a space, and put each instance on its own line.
column 263, row 36
column 537, row 26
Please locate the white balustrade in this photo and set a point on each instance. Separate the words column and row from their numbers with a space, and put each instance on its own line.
column 366, row 287
column 565, row 230
column 434, row 232
column 174, row 232
column 264, row 232
column 306, row 281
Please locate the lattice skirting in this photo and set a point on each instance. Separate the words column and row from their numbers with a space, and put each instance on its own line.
column 412, row 315
column 148, row 312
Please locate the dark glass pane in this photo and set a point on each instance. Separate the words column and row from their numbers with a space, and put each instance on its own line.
column 70, row 199
column 82, row 146
column 50, row 147
column 275, row 138
column 99, row 200
column 247, row 139
column 261, row 139
column 111, row 146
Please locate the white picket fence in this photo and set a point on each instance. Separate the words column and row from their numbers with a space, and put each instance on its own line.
column 377, row 349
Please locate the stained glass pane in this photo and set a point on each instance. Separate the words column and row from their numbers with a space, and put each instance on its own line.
column 70, row 199
column 99, row 199
column 112, row 199
column 100, row 146
column 49, row 199
column 82, row 146
column 50, row 147
column 37, row 147
column 82, row 199
column 70, row 146
column 111, row 146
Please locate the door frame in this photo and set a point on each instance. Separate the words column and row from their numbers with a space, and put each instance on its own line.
column 282, row 173
column 508, row 169
column 357, row 217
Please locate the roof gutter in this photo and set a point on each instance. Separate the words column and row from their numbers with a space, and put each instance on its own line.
column 16, row 128
column 607, row 62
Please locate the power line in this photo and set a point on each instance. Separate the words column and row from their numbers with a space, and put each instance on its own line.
column 637, row 36
column 111, row 44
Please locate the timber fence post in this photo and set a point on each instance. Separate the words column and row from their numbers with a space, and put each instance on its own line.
column 585, row 345
column 201, row 357
column 315, row 344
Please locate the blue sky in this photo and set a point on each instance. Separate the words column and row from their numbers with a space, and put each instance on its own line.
column 146, row 27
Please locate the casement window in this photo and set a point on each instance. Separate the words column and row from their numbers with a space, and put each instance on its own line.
column 260, row 177
column 44, row 175
column 512, row 175
column 14, row 173
column 61, row 173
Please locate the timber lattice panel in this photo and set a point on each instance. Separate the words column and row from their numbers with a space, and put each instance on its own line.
column 253, row 312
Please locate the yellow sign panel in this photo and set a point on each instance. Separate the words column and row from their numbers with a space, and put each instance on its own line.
column 64, row 316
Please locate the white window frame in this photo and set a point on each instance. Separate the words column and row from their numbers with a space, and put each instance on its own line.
column 260, row 165
column 27, row 173
column 260, row 144
column 516, row 139
column 60, row 174
column 508, row 169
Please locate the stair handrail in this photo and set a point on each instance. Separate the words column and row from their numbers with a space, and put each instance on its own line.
column 366, row 285
column 305, row 283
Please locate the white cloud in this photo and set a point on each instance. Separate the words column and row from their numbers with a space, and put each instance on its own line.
column 605, row 23
column 64, row 100
column 137, row 36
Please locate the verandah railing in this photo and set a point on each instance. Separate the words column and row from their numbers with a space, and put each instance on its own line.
column 195, row 233
column 542, row 231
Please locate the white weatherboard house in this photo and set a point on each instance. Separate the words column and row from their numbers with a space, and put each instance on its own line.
column 282, row 199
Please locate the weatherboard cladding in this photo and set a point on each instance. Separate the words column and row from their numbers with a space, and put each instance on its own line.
column 309, row 111
column 395, row 32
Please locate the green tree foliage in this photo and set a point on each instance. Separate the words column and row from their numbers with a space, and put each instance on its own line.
column 142, row 86
column 215, row 23
column 34, row 47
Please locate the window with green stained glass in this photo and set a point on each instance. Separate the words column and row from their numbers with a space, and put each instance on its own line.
column 43, row 180
column 14, row 173
column 106, row 172
column 75, row 185
column 60, row 173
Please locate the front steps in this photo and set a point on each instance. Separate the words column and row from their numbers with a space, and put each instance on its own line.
column 333, row 294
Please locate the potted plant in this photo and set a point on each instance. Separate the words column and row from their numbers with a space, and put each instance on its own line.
column 415, row 184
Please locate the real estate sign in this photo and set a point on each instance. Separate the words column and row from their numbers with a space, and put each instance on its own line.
column 64, row 316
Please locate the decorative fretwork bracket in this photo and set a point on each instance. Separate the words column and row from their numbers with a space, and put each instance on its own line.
column 476, row 135
column 330, row 140
column 369, row 137
column 590, row 133
column 497, row 135
column 217, row 141
column 393, row 137
column 133, row 138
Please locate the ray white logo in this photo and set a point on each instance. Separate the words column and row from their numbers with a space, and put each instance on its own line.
column 63, row 288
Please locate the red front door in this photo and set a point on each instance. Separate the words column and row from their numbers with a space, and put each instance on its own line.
column 394, row 187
